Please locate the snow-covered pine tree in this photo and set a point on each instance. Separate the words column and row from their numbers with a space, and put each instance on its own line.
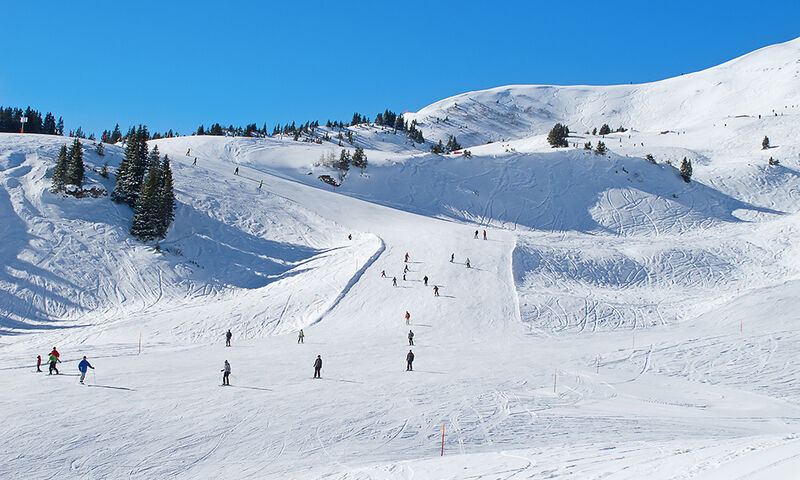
column 166, row 199
column 686, row 170
column 60, row 172
column 132, row 168
column 605, row 129
column 359, row 159
column 74, row 174
column 145, row 220
column 558, row 136
column 601, row 148
column 153, row 159
column 100, row 150
column 438, row 148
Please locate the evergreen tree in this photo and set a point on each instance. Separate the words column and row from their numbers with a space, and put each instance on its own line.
column 116, row 135
column 686, row 170
column 60, row 126
column 558, row 136
column 49, row 125
column 601, row 148
column 153, row 159
column 131, row 170
column 359, row 159
column 344, row 160
column 166, row 199
column 594, row 131
column 60, row 172
column 605, row 129
column 765, row 143
column 74, row 174
column 452, row 144
column 587, row 146
column 650, row 158
column 145, row 220
column 100, row 150
column 438, row 148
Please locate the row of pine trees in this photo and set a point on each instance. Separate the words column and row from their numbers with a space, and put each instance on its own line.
column 47, row 124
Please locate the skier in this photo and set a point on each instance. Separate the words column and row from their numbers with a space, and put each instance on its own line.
column 83, row 368
column 53, row 359
column 39, row 363
column 236, row 172
column 411, row 338
column 188, row 151
column 394, row 281
column 435, row 291
column 350, row 236
column 408, row 318
column 383, row 273
column 406, row 256
column 425, row 279
column 452, row 257
column 195, row 161
column 261, row 184
column 404, row 277
column 410, row 360
column 228, row 336
column 468, row 262
column 317, row 367
column 476, row 235
column 301, row 336
column 405, row 269
column 484, row 234
column 226, row 373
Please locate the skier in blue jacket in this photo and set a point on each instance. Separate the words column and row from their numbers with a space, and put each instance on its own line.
column 83, row 366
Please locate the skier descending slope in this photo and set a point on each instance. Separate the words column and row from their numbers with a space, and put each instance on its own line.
column 53, row 359
column 484, row 234
column 476, row 235
column 301, row 336
column 317, row 367
column 83, row 367
column 435, row 291
column 226, row 373
column 409, row 361
column 38, row 363
column 452, row 257
column 406, row 257
column 394, row 281
column 468, row 262
column 425, row 280
column 228, row 336
column 408, row 318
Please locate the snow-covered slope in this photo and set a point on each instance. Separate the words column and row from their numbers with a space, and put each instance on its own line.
column 616, row 322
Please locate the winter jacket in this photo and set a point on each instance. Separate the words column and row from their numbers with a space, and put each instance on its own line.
column 228, row 335
column 55, row 353
column 318, row 363
column 227, row 368
column 84, row 365
column 410, row 335
column 410, row 357
column 53, row 358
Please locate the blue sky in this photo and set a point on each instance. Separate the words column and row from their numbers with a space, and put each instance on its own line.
column 175, row 64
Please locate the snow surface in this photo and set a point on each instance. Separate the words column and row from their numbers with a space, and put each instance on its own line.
column 616, row 323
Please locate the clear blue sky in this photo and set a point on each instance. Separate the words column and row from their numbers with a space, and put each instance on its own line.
column 176, row 64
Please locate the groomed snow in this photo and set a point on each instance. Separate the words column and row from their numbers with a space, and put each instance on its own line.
column 616, row 322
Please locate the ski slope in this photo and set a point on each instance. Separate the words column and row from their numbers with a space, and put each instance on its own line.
column 617, row 322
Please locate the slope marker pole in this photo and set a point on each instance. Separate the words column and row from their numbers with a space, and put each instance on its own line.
column 555, row 377
column 442, row 454
column 597, row 365
column 140, row 342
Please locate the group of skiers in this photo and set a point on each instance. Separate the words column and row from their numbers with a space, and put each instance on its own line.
column 54, row 359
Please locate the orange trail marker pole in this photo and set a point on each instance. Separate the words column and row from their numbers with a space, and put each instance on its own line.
column 140, row 342
column 442, row 454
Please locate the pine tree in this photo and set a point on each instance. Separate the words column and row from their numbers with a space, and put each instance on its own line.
column 60, row 126
column 49, row 125
column 100, row 150
column 74, row 174
column 605, row 129
column 650, row 158
column 60, row 172
column 452, row 144
column 686, row 170
column 594, row 131
column 587, row 146
column 558, row 136
column 132, row 168
column 153, row 159
column 116, row 135
column 359, row 159
column 601, row 148
column 765, row 143
column 438, row 148
column 344, row 160
column 145, row 220
column 166, row 199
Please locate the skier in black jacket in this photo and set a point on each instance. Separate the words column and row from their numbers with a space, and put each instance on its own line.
column 317, row 367
column 410, row 360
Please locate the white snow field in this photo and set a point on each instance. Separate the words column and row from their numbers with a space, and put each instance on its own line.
column 617, row 322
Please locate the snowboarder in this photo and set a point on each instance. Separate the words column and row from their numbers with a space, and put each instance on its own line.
column 53, row 359
column 195, row 161
column 39, row 363
column 476, row 235
column 301, row 336
column 226, row 373
column 228, row 336
column 408, row 318
column 435, row 291
column 83, row 366
column 317, row 367
column 425, row 279
column 468, row 262
column 484, row 234
column 452, row 257
column 410, row 338
column 410, row 360
column 406, row 256
column 383, row 273
column 394, row 281
column 236, row 172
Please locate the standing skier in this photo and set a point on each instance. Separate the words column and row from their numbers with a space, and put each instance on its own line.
column 452, row 257
column 383, row 273
column 236, row 172
column 188, row 151
column 226, row 373
column 411, row 338
column 425, row 279
column 405, row 269
column 83, row 366
column 408, row 318
column 476, row 235
column 228, row 336
column 301, row 336
column 404, row 277
column 261, row 184
column 435, row 291
column 468, row 262
column 39, row 363
column 484, row 234
column 317, row 367
column 394, row 281
column 409, row 361
column 53, row 359
column 406, row 256
column 195, row 161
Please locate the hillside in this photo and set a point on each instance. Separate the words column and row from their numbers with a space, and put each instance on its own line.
column 616, row 322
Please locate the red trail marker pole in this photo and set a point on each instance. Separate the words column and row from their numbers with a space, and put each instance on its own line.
column 442, row 454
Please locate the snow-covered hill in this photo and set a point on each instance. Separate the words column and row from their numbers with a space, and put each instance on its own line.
column 616, row 322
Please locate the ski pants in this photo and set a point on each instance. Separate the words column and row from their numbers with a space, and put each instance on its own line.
column 300, row 340
column 83, row 375
column 409, row 367
column 227, row 342
column 53, row 367
column 411, row 341
column 225, row 380
column 316, row 372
